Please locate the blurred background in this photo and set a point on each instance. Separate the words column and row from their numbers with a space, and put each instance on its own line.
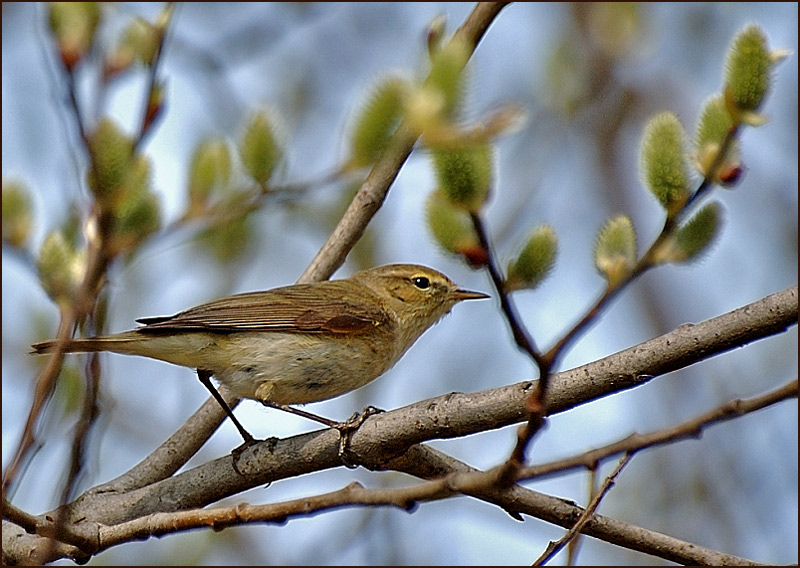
column 589, row 77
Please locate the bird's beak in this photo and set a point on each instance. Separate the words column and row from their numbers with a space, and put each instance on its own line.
column 461, row 294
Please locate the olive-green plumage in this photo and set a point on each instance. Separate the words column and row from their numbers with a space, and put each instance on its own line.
column 297, row 344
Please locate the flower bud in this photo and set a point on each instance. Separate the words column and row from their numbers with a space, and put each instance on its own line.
column 535, row 261
column 693, row 238
column 259, row 149
column 111, row 154
column 615, row 249
column 210, row 170
column 59, row 267
column 377, row 121
column 155, row 105
column 714, row 127
column 446, row 78
column 435, row 35
column 74, row 24
column 464, row 173
column 696, row 235
column 451, row 226
column 664, row 165
column 139, row 43
column 748, row 71
column 730, row 175
column 17, row 214
column 137, row 214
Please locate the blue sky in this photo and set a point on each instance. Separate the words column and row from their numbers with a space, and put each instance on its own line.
column 311, row 64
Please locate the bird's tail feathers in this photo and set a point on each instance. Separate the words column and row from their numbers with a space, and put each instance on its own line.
column 85, row 345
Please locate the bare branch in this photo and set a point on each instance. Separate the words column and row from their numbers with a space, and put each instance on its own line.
column 426, row 462
column 636, row 442
column 384, row 440
column 555, row 547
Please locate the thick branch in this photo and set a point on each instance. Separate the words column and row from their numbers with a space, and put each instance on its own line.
column 448, row 479
column 385, row 436
column 428, row 463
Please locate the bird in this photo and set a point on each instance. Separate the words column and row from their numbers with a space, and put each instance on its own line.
column 295, row 344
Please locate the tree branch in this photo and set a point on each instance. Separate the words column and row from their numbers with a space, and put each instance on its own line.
column 383, row 440
column 636, row 442
column 555, row 547
column 372, row 193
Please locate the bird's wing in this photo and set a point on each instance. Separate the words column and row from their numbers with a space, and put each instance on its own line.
column 300, row 308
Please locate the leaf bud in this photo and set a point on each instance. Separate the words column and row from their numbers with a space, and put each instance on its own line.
column 17, row 213
column 535, row 261
column 664, row 167
column 259, row 148
column 615, row 249
column 464, row 173
column 377, row 121
column 748, row 70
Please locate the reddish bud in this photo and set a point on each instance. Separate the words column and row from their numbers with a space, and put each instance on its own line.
column 476, row 256
column 730, row 176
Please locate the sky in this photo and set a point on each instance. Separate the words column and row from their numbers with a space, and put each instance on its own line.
column 572, row 164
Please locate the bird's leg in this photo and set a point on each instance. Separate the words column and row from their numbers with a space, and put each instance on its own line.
column 296, row 411
column 345, row 429
column 205, row 378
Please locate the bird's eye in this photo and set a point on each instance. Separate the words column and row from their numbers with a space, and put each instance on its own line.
column 421, row 282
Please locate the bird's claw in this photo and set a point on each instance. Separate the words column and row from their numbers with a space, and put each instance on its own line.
column 250, row 441
column 346, row 430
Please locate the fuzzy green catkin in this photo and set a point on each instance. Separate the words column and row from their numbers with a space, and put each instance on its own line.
column 696, row 236
column 664, row 165
column 111, row 152
column 748, row 69
column 259, row 148
column 450, row 225
column 535, row 261
column 446, row 77
column 615, row 249
column 464, row 173
column 209, row 170
column 74, row 25
column 56, row 266
column 17, row 213
column 138, row 211
column 377, row 121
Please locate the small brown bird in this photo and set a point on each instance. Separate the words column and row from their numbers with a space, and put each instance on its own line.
column 296, row 344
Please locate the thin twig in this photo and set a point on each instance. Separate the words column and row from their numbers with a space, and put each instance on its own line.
column 646, row 262
column 372, row 193
column 45, row 386
column 146, row 119
column 536, row 406
column 687, row 430
column 555, row 547
column 522, row 337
